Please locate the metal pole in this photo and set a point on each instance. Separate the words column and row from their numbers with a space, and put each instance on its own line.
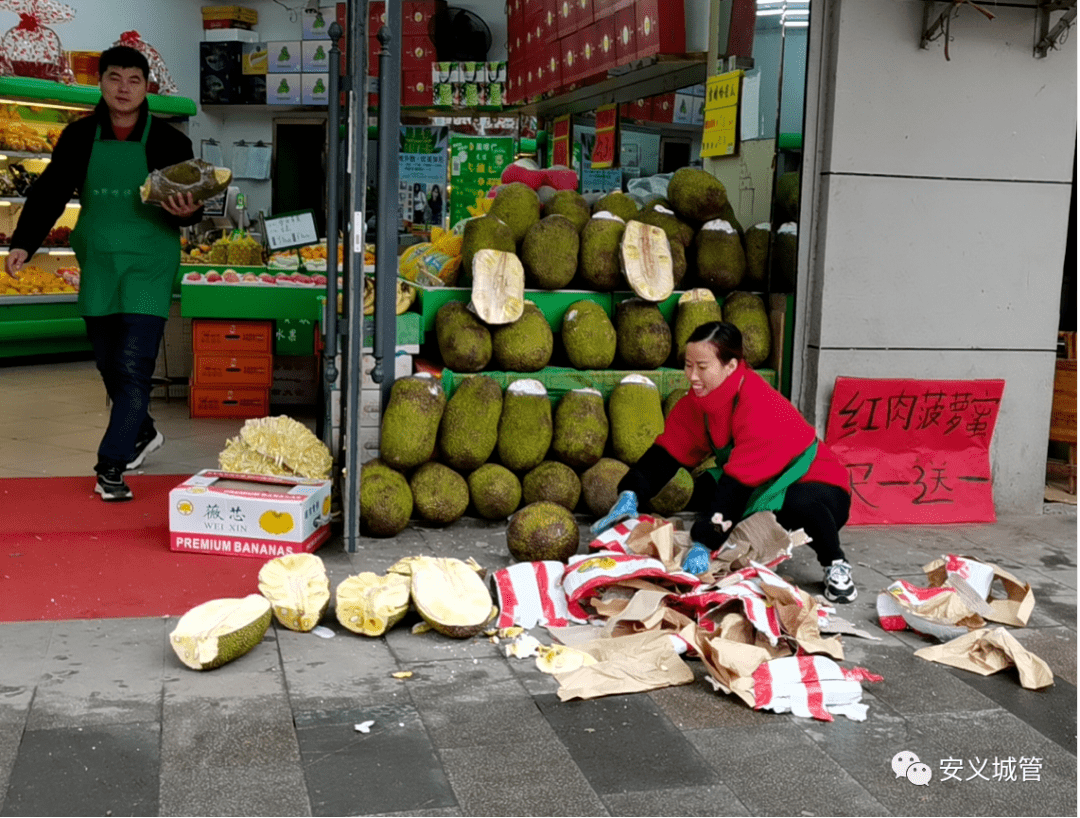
column 333, row 152
column 386, row 256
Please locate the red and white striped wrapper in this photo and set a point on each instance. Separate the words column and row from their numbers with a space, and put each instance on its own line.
column 531, row 594
column 586, row 574
column 614, row 539
column 748, row 591
column 978, row 575
column 811, row 686
column 898, row 606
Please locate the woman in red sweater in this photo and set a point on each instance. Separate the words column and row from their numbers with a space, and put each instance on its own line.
column 768, row 458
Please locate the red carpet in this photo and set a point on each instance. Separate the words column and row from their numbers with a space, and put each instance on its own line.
column 65, row 554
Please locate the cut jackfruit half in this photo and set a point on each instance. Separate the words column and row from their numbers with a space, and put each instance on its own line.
column 370, row 604
column 562, row 659
column 645, row 257
column 297, row 588
column 450, row 595
column 498, row 289
column 218, row 631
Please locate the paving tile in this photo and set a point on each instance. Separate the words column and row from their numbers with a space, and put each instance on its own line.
column 105, row 769
column 421, row 648
column 625, row 743
column 12, row 722
column 1055, row 646
column 538, row 778
column 697, row 706
column 392, row 768
column 447, row 811
column 775, row 769
column 254, row 789
column 714, row 800
column 26, row 646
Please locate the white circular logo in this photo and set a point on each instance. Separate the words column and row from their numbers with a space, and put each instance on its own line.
column 902, row 760
column 919, row 774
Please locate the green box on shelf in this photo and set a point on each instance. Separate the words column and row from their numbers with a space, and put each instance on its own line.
column 254, row 302
column 294, row 336
column 408, row 330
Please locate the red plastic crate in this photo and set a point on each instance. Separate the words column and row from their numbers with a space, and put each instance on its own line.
column 231, row 336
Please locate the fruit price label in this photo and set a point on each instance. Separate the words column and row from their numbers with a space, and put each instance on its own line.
column 287, row 230
column 607, row 137
column 720, row 137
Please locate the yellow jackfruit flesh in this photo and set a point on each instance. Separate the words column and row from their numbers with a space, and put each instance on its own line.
column 450, row 595
column 218, row 631
column 562, row 659
column 277, row 446
column 370, row 604
column 298, row 590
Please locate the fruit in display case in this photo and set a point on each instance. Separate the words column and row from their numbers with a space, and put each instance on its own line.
column 18, row 136
column 244, row 251
column 33, row 280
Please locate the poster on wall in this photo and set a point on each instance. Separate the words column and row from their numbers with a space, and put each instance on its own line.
column 917, row 451
column 476, row 166
column 422, row 177
column 721, row 136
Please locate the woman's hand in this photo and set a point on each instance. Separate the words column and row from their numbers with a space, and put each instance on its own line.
column 15, row 261
column 181, row 205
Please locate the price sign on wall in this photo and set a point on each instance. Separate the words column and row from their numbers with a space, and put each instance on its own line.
column 721, row 113
column 287, row 230
column 606, row 147
column 560, row 152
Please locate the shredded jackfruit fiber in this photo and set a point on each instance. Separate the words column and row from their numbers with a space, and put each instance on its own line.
column 277, row 446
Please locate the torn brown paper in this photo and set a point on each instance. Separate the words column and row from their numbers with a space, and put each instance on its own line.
column 625, row 664
column 758, row 538
column 987, row 651
column 796, row 611
column 1013, row 609
column 731, row 664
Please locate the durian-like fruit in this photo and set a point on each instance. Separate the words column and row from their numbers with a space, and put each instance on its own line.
column 451, row 596
column 370, row 604
column 297, row 588
column 195, row 176
column 218, row 631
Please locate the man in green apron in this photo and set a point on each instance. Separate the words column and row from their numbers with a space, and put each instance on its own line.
column 128, row 251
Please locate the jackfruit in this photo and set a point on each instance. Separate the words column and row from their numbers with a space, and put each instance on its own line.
column 696, row 307
column 549, row 252
column 498, row 287
column 410, row 424
column 674, row 496
column 277, row 445
column 298, row 589
column 525, row 427
column 386, row 502
column 727, row 213
column 645, row 260
column 526, row 345
column 552, row 481
column 484, row 233
column 218, row 631
column 542, row 531
column 370, row 604
column 636, row 416
column 696, row 194
column 785, row 258
column 588, row 336
column 580, row 428
column 571, row 204
column 787, row 197
column 680, row 264
column 518, row 206
column 674, row 396
column 659, row 216
column 464, row 340
column 598, row 257
column 451, row 596
column 440, row 494
column 617, row 203
column 600, row 484
column 643, row 338
column 747, row 312
column 495, row 491
column 201, row 179
column 469, row 429
column 721, row 260
column 556, row 659
column 757, row 255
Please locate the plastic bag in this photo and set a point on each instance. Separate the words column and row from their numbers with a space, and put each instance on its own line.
column 32, row 49
column 159, row 81
column 195, row 176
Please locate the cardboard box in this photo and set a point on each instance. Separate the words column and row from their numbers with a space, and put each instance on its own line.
column 416, row 53
column 684, row 109
column 625, row 36
column 253, row 89
column 284, row 89
column 219, row 512
column 566, row 21
column 215, row 369
column 284, row 56
column 219, row 72
column 231, row 337
column 315, row 24
column 230, row 35
column 315, row 56
column 227, row 402
column 660, row 28
column 605, row 41
column 664, row 108
column 314, row 89
column 403, row 366
column 495, row 71
column 254, row 59
column 416, row 88
column 583, row 13
column 240, row 14
column 416, row 15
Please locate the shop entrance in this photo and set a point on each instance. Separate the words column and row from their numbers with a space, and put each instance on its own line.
column 299, row 170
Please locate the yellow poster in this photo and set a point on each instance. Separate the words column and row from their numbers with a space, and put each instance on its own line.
column 721, row 130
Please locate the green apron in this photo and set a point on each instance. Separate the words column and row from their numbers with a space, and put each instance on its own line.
column 128, row 253
column 769, row 496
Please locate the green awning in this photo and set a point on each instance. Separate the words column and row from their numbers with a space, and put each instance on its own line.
column 28, row 90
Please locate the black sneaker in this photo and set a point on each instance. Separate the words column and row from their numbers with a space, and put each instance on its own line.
column 144, row 447
column 111, row 486
column 839, row 586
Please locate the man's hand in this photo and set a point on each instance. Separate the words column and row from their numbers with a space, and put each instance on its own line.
column 181, row 205
column 15, row 261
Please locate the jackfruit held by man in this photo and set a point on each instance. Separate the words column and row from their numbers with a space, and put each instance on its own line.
column 410, row 424
column 201, row 179
column 298, row 589
column 543, row 531
column 370, row 604
column 469, row 430
column 525, row 427
column 451, row 596
column 218, row 631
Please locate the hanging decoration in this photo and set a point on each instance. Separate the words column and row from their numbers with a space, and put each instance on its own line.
column 32, row 49
column 159, row 81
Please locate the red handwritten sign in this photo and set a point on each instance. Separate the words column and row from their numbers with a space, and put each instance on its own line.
column 560, row 152
column 917, row 452
column 607, row 136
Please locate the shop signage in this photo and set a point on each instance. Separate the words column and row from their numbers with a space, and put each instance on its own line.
column 560, row 152
column 720, row 137
column 606, row 147
column 422, row 176
column 917, row 452
column 476, row 166
column 286, row 230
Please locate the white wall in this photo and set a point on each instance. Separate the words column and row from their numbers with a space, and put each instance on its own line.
column 937, row 195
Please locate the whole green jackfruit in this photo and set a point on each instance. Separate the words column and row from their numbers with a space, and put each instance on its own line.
column 542, row 531
column 469, row 429
column 787, row 197
column 525, row 427
column 618, row 204
column 727, row 213
column 588, row 336
column 580, row 428
column 495, row 491
column 721, row 260
column 747, row 312
column 676, row 229
column 757, row 255
column 674, row 396
column 674, row 496
column 598, row 255
column 440, row 494
column 568, row 203
column 386, row 502
column 464, row 340
column 218, row 631
column 552, row 481
column 600, row 484
column 696, row 307
column 643, row 337
column 410, row 424
column 785, row 258
column 696, row 194
column 484, row 233
column 524, row 345
column 518, row 206
column 549, row 252
column 637, row 417
column 679, row 263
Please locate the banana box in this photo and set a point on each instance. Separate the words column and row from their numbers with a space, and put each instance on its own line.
column 248, row 515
